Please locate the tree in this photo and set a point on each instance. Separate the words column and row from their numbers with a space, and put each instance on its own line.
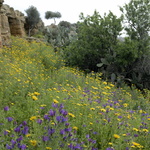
column 32, row 19
column 50, row 15
column 96, row 39
column 137, row 19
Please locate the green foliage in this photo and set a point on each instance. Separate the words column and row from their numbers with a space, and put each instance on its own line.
column 50, row 15
column 137, row 19
column 33, row 17
column 60, row 35
column 97, row 37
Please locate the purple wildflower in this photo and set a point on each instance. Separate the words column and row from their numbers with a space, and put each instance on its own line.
column 17, row 129
column 135, row 135
column 51, row 131
column 62, row 131
column 23, row 147
column 8, row 146
column 63, row 112
column 19, row 139
column 52, row 113
column 67, row 124
column 24, row 123
column 61, row 106
column 9, row 119
column 13, row 142
column 109, row 148
column 45, row 138
column 46, row 117
column 6, row 108
column 59, row 118
column 39, row 121
column 68, row 129
column 54, row 105
column 6, row 132
column 25, row 130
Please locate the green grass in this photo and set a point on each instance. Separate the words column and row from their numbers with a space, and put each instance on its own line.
column 45, row 105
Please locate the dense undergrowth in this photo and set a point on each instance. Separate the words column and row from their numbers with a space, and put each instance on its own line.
column 45, row 105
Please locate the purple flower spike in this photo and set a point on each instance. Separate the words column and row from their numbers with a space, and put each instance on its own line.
column 13, row 142
column 39, row 121
column 19, row 139
column 58, row 118
column 54, row 105
column 46, row 117
column 62, row 131
column 24, row 123
column 52, row 113
column 6, row 132
column 9, row 119
column 25, row 130
column 63, row 112
column 45, row 138
column 51, row 131
column 61, row 106
column 68, row 129
column 109, row 148
column 23, row 147
column 6, row 108
column 67, row 124
column 17, row 129
column 8, row 147
column 77, row 146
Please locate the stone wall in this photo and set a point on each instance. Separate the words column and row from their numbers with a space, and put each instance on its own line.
column 11, row 23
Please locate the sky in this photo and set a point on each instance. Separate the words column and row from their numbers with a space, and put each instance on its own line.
column 69, row 9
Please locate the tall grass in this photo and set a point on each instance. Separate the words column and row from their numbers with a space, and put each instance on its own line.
column 45, row 105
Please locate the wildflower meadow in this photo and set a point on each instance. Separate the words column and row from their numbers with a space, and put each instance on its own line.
column 47, row 106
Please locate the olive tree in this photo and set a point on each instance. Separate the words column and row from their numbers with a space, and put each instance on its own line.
column 32, row 19
column 52, row 15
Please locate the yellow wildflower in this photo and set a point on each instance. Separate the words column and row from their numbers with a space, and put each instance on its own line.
column 125, row 104
column 48, row 148
column 36, row 93
column 28, row 135
column 43, row 105
column 75, row 128
column 116, row 136
column 72, row 115
column 55, row 101
column 135, row 129
column 34, row 97
column 94, row 87
column 145, row 130
column 107, row 87
column 33, row 118
column 136, row 144
column 33, row 142
column 103, row 110
column 7, row 131
column 92, row 108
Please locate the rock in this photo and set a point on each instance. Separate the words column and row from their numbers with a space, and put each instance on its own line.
column 11, row 23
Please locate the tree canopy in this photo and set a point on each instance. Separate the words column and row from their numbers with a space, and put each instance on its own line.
column 33, row 17
column 52, row 15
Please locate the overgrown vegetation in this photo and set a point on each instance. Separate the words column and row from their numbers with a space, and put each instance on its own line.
column 45, row 105
column 99, row 49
